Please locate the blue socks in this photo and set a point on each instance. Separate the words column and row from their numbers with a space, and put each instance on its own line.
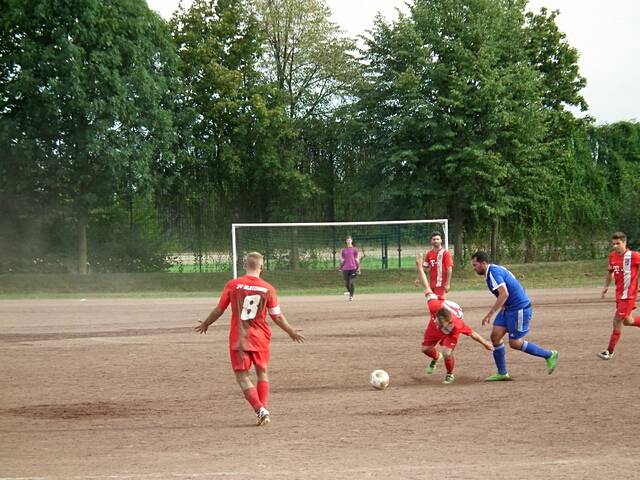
column 533, row 349
column 499, row 358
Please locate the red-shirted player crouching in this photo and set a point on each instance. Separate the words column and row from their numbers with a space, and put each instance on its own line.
column 444, row 327
column 249, row 334
column 623, row 269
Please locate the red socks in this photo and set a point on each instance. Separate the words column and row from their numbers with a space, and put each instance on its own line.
column 450, row 362
column 251, row 394
column 613, row 341
column 263, row 392
column 433, row 353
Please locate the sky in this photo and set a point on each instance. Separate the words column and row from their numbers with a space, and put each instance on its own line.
column 606, row 33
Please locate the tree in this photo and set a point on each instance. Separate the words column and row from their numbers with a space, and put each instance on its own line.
column 306, row 56
column 459, row 108
column 238, row 125
column 84, row 112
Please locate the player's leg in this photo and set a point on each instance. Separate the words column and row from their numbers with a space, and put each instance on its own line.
column 450, row 363
column 518, row 326
column 497, row 333
column 352, row 283
column 261, row 363
column 616, row 333
column 621, row 317
column 431, row 338
column 241, row 363
column 345, row 277
column 629, row 321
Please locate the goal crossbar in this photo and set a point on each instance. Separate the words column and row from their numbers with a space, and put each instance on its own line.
column 234, row 226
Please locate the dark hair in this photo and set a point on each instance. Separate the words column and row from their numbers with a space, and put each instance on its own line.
column 436, row 234
column 619, row 236
column 480, row 256
column 444, row 313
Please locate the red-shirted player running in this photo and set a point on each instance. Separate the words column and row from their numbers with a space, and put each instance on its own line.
column 249, row 334
column 444, row 327
column 623, row 268
column 440, row 265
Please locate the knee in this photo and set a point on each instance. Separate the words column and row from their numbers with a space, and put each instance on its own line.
column 427, row 350
column 516, row 344
column 627, row 321
column 447, row 353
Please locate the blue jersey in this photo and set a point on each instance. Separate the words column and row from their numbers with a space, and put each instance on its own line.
column 496, row 276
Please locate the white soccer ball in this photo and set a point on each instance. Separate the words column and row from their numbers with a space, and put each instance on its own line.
column 379, row 379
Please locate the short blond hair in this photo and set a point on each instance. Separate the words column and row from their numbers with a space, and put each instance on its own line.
column 253, row 261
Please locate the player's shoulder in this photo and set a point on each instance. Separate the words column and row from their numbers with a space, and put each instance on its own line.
column 494, row 269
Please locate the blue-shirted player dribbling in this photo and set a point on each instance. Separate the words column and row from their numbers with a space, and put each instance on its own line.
column 514, row 316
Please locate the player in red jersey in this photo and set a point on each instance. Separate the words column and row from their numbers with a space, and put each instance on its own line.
column 440, row 265
column 623, row 269
column 249, row 334
column 444, row 327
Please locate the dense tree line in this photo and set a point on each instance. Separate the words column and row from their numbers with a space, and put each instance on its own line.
column 125, row 136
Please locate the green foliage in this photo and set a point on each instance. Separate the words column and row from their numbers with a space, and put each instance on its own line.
column 83, row 112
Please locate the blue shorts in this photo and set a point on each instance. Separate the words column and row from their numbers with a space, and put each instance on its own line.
column 515, row 321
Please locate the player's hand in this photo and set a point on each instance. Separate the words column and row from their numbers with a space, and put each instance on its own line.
column 296, row 336
column 416, row 283
column 487, row 319
column 203, row 327
column 489, row 346
column 604, row 292
column 447, row 288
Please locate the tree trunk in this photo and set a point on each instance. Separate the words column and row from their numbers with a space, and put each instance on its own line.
column 529, row 249
column 82, row 244
column 494, row 240
column 457, row 232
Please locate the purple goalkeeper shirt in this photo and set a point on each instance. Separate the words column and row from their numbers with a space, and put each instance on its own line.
column 349, row 259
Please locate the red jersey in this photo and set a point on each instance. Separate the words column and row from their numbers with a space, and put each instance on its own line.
column 457, row 325
column 437, row 261
column 250, row 298
column 624, row 267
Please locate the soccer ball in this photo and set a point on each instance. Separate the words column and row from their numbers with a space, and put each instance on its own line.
column 379, row 379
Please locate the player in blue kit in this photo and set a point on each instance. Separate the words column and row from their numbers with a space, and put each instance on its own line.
column 514, row 316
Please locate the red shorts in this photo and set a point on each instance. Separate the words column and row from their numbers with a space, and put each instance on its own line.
column 439, row 291
column 433, row 335
column 244, row 360
column 625, row 307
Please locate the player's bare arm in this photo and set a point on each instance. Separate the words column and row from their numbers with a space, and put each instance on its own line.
column 420, row 267
column 422, row 277
column 503, row 294
column 295, row 335
column 447, row 286
column 215, row 314
column 607, row 282
column 482, row 341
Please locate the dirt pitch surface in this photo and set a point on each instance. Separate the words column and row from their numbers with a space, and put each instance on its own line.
column 124, row 389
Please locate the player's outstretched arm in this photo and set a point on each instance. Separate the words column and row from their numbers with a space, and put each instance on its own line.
column 419, row 266
column 215, row 314
column 482, row 341
column 295, row 335
column 422, row 277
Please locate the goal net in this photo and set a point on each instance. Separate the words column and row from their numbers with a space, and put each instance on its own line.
column 318, row 246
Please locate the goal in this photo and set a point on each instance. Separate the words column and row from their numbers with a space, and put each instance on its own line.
column 317, row 246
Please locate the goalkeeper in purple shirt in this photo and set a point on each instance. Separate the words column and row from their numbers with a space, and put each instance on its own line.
column 350, row 266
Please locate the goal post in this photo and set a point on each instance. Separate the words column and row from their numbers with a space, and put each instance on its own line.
column 317, row 246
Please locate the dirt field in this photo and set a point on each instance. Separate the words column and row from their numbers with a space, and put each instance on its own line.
column 124, row 389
